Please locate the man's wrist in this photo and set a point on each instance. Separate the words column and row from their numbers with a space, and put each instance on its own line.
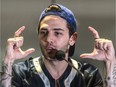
column 7, row 60
column 110, row 79
column 7, row 70
column 7, row 66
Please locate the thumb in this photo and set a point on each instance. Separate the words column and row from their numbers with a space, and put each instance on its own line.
column 87, row 55
column 29, row 51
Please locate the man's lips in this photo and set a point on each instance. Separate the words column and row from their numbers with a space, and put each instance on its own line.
column 51, row 52
column 50, row 48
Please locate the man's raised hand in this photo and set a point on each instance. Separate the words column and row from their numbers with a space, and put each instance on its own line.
column 103, row 48
column 13, row 51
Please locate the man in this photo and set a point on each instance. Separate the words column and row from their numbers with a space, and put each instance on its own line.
column 57, row 33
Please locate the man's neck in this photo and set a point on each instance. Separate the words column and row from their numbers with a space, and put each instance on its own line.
column 56, row 68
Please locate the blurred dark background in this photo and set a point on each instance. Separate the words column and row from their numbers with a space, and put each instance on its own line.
column 99, row 14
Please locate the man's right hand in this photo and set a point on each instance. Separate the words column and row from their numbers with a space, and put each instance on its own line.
column 13, row 51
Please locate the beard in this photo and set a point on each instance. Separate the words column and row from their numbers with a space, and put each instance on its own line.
column 49, row 54
column 53, row 55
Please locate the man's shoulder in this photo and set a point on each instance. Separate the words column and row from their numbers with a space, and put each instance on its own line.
column 84, row 67
column 89, row 71
column 25, row 66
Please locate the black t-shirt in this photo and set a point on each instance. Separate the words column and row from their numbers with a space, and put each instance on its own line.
column 33, row 73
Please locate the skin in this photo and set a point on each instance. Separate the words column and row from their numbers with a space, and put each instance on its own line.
column 54, row 34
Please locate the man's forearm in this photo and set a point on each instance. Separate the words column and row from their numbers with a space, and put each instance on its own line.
column 5, row 80
column 6, row 77
column 110, row 80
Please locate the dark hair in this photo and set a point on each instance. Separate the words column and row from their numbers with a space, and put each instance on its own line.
column 72, row 48
column 71, row 32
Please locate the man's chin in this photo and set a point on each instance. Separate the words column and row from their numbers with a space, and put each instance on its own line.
column 50, row 59
column 51, row 54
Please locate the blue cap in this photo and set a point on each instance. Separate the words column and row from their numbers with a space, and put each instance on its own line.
column 60, row 10
column 65, row 13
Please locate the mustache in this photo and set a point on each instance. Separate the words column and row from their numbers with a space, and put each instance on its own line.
column 57, row 54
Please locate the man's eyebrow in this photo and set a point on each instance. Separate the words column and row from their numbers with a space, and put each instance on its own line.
column 53, row 29
column 58, row 29
column 43, row 29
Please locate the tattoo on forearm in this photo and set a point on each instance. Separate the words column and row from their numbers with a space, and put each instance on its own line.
column 114, row 72
column 7, row 68
column 111, row 80
column 5, row 80
column 114, row 75
column 5, row 76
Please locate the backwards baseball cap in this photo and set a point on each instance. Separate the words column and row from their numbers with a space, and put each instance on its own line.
column 65, row 13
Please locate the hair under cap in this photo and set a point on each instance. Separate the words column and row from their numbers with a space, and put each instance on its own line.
column 63, row 12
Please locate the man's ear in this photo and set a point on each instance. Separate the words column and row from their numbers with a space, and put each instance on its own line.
column 73, row 39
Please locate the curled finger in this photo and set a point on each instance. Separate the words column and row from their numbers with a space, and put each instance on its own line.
column 19, row 42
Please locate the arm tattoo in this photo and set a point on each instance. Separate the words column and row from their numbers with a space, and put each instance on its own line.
column 114, row 75
column 110, row 81
column 6, row 76
column 5, row 80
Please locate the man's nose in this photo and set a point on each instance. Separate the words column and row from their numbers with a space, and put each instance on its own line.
column 50, row 38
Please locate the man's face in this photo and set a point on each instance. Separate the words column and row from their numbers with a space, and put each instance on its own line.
column 53, row 34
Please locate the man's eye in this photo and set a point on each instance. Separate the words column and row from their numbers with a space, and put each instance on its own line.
column 58, row 33
column 43, row 32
